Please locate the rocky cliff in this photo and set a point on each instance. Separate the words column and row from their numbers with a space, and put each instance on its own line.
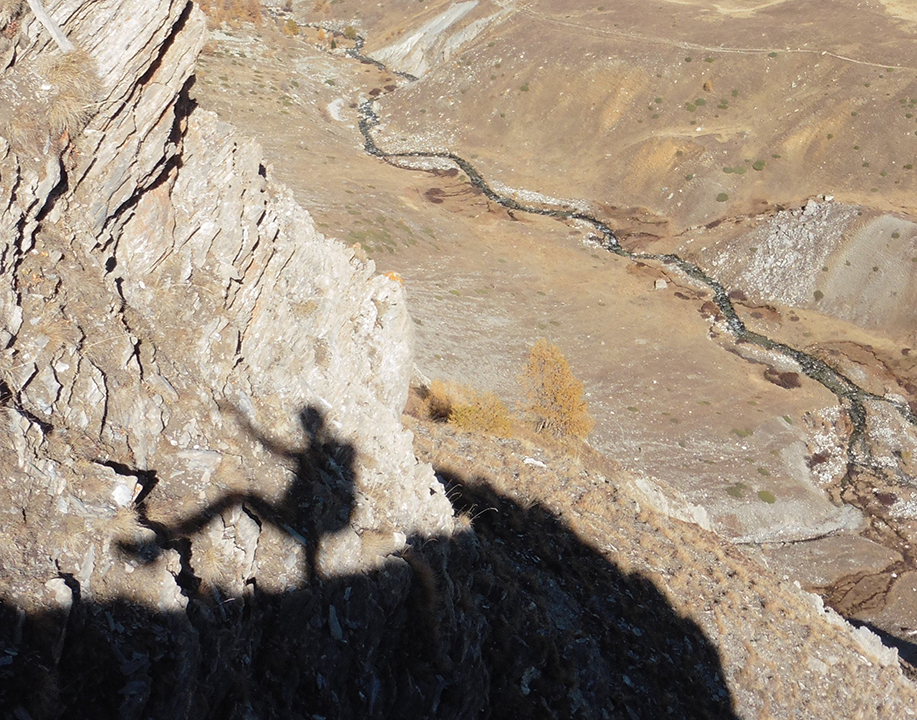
column 210, row 507
column 175, row 332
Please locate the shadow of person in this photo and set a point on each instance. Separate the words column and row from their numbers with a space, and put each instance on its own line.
column 517, row 618
column 569, row 634
column 318, row 502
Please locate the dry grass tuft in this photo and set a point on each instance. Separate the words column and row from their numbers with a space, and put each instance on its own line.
column 10, row 10
column 23, row 127
column 232, row 12
column 210, row 560
column 123, row 524
column 74, row 76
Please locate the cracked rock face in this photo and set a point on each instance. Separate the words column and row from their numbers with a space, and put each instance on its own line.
column 182, row 353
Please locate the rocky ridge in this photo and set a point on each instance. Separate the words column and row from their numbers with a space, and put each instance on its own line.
column 172, row 326
column 210, row 504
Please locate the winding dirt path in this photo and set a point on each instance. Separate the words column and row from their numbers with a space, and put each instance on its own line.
column 650, row 40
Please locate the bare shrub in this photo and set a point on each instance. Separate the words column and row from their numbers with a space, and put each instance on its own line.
column 555, row 396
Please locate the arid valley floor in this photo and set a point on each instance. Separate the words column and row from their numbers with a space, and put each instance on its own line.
column 772, row 144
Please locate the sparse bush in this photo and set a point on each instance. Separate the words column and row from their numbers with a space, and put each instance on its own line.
column 232, row 11
column 438, row 401
column 350, row 32
column 482, row 413
column 555, row 396
column 466, row 409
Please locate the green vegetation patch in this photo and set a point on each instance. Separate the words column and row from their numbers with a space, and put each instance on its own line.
column 758, row 165
column 742, row 432
column 722, row 197
column 737, row 490
column 767, row 496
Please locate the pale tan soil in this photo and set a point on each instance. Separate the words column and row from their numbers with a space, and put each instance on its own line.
column 584, row 127
column 675, row 401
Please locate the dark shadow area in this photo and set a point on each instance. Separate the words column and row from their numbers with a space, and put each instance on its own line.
column 517, row 619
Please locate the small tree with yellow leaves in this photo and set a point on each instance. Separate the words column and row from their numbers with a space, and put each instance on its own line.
column 554, row 395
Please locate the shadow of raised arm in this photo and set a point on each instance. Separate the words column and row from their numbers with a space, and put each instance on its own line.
column 318, row 501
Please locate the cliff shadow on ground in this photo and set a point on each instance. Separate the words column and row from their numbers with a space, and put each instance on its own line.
column 517, row 618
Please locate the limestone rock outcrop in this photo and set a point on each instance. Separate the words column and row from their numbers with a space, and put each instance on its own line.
column 190, row 374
